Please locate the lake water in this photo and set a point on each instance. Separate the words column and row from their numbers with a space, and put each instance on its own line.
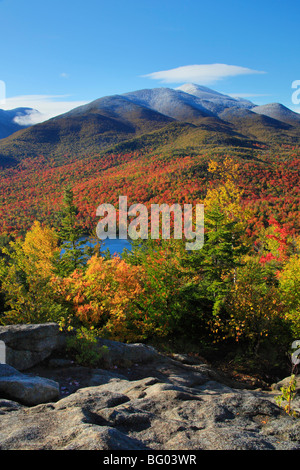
column 115, row 246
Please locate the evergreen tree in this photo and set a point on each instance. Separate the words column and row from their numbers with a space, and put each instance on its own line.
column 74, row 252
column 215, row 264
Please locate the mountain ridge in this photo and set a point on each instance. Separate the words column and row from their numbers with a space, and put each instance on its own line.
column 13, row 120
column 111, row 121
column 277, row 111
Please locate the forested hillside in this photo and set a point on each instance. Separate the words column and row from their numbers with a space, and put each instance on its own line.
column 239, row 292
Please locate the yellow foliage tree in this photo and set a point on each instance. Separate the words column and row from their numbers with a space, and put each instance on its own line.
column 25, row 275
column 289, row 287
column 39, row 247
column 225, row 193
column 253, row 315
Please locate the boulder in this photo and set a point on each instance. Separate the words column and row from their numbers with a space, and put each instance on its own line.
column 285, row 383
column 28, row 390
column 126, row 354
column 27, row 345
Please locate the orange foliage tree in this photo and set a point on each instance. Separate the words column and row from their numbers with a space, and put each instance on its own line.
column 108, row 295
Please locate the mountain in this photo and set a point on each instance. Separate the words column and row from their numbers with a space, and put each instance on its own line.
column 119, row 109
column 213, row 101
column 279, row 112
column 172, row 103
column 13, row 120
column 86, row 129
column 272, row 122
column 190, row 116
column 260, row 126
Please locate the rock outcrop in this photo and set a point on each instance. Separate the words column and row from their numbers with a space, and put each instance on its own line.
column 26, row 389
column 150, row 414
column 27, row 345
column 160, row 403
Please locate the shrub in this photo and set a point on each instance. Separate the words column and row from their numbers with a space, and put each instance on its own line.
column 253, row 311
column 289, row 288
column 85, row 348
column 106, row 296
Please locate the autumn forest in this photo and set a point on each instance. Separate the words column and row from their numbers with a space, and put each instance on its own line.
column 239, row 293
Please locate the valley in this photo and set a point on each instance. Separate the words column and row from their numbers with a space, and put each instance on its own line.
column 153, row 146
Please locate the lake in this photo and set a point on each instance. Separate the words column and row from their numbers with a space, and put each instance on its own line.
column 115, row 246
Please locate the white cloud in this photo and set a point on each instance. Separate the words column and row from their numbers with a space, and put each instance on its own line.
column 65, row 75
column 30, row 118
column 44, row 106
column 203, row 74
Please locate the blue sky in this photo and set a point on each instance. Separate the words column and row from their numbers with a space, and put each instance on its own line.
column 59, row 54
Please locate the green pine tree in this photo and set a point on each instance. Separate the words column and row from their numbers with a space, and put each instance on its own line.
column 74, row 249
column 217, row 261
